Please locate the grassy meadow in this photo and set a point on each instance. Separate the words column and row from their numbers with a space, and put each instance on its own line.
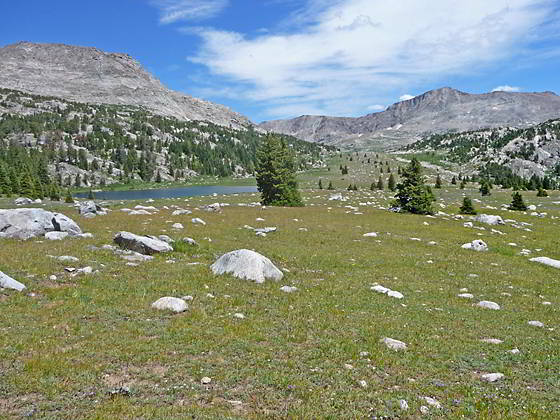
column 91, row 346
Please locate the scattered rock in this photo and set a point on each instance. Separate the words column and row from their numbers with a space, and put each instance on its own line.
column 393, row 344
column 489, row 219
column 288, row 289
column 90, row 209
column 22, row 201
column 142, row 244
column 384, row 290
column 466, row 295
column 424, row 409
column 514, row 351
column 547, row 261
column 6, row 282
column 198, row 221
column 432, row 402
column 476, row 245
column 166, row 239
column 492, row 340
column 536, row 324
column 177, row 226
column 248, row 265
column 181, row 212
column 56, row 236
column 239, row 315
column 492, row 377
column 362, row 383
column 489, row 305
column 205, row 380
column 370, row 235
column 190, row 241
column 170, row 304
column 403, row 405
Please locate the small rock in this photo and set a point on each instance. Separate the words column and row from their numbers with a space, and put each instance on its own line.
column 465, row 295
column 403, row 405
column 205, row 380
column 362, row 383
column 288, row 289
column 489, row 305
column 171, row 304
column 492, row 340
column 56, row 236
column 514, row 351
column 198, row 221
column 432, row 402
column 239, row 315
column 536, row 324
column 393, row 344
column 424, row 409
column 492, row 377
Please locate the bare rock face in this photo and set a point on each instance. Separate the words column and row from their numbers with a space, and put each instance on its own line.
column 84, row 74
column 142, row 244
column 436, row 111
column 28, row 223
column 248, row 265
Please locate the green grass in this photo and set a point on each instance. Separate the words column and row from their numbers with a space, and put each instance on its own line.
column 67, row 343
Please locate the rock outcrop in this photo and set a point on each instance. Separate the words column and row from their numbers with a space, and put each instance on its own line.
column 28, row 223
column 142, row 244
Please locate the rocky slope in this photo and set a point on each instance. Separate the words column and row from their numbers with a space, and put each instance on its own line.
column 437, row 111
column 88, row 75
column 527, row 152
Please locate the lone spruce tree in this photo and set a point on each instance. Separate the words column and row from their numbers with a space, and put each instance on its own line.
column 517, row 202
column 413, row 196
column 391, row 183
column 467, row 207
column 276, row 174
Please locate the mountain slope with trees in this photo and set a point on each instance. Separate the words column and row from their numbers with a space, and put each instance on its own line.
column 54, row 142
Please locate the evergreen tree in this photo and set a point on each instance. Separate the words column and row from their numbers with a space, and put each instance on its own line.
column 380, row 185
column 330, row 187
column 467, row 206
column 463, row 184
column 320, row 184
column 413, row 195
column 54, row 193
column 542, row 193
column 68, row 198
column 276, row 178
column 438, row 182
column 372, row 187
column 454, row 181
column 27, row 187
column 391, row 183
column 517, row 202
column 158, row 177
column 484, row 187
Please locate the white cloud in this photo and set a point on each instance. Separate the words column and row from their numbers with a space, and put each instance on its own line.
column 176, row 10
column 376, row 107
column 339, row 56
column 506, row 88
column 406, row 97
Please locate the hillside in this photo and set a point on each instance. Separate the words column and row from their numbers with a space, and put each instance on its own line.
column 527, row 152
column 88, row 75
column 437, row 111
column 75, row 144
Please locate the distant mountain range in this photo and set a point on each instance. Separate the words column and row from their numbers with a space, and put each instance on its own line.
column 88, row 75
column 437, row 111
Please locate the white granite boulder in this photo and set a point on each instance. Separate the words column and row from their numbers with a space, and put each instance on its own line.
column 28, row 223
column 170, row 304
column 143, row 244
column 248, row 265
column 6, row 282
column 476, row 245
column 489, row 219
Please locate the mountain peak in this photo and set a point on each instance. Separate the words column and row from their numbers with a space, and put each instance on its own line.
column 87, row 74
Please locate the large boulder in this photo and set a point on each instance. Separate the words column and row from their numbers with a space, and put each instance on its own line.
column 547, row 261
column 28, row 223
column 90, row 209
column 489, row 219
column 247, row 265
column 143, row 244
column 6, row 282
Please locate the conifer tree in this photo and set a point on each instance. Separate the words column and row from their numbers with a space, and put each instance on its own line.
column 542, row 193
column 438, row 182
column 463, row 184
column 276, row 174
column 413, row 196
column 320, row 184
column 391, row 183
column 484, row 187
column 68, row 198
column 517, row 202
column 454, row 181
column 467, row 206
column 330, row 187
column 27, row 188
column 380, row 185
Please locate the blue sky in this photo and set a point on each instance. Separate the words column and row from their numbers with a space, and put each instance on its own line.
column 272, row 59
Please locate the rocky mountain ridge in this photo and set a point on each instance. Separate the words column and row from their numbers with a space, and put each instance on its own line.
column 89, row 75
column 437, row 111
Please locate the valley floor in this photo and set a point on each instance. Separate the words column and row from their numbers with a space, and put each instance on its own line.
column 92, row 347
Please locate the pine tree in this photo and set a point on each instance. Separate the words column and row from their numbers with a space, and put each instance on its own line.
column 330, row 187
column 467, row 207
column 542, row 193
column 276, row 170
column 517, row 202
column 454, row 181
column 158, row 177
column 380, row 185
column 484, row 187
column 463, row 184
column 320, row 184
column 413, row 195
column 68, row 198
column 391, row 183
column 438, row 182
column 27, row 188
column 54, row 193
